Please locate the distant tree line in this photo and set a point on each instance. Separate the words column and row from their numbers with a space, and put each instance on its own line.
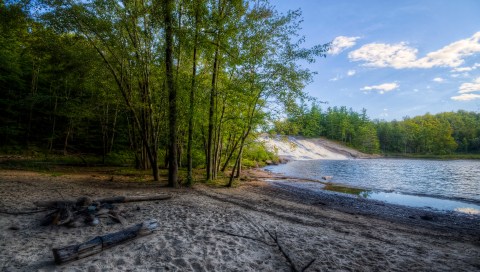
column 444, row 133
column 173, row 82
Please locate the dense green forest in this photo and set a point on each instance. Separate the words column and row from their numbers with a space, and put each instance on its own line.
column 179, row 84
column 171, row 83
column 444, row 133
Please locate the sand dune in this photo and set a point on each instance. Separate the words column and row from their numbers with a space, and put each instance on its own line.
column 299, row 148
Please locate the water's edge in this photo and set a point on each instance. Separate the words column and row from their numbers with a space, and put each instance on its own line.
column 417, row 200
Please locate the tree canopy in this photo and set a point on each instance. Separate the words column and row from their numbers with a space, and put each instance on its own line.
column 177, row 82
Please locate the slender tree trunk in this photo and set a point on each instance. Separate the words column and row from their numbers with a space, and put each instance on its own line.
column 230, row 154
column 65, row 143
column 218, row 143
column 192, row 102
column 114, row 126
column 172, row 95
column 50, row 147
column 210, row 116
column 34, row 88
column 239, row 166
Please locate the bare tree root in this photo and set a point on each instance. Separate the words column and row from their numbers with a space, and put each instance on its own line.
column 262, row 240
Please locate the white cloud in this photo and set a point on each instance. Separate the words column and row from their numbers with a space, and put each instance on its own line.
column 341, row 43
column 470, row 87
column 466, row 97
column 382, row 88
column 463, row 69
column 466, row 69
column 466, row 91
column 351, row 72
column 401, row 56
column 337, row 77
column 385, row 55
column 438, row 79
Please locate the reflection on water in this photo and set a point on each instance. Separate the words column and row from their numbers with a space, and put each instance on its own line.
column 448, row 179
column 403, row 182
column 390, row 197
column 468, row 210
column 426, row 202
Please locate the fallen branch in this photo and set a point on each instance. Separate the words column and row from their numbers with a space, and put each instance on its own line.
column 24, row 212
column 109, row 200
column 285, row 254
column 274, row 237
column 100, row 243
column 85, row 210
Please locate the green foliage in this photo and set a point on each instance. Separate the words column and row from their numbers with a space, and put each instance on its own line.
column 255, row 154
column 90, row 77
column 339, row 124
column 439, row 134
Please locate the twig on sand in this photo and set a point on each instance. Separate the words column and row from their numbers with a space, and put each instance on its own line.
column 244, row 236
column 24, row 212
column 274, row 237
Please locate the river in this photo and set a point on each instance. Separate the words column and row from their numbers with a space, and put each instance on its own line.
column 439, row 184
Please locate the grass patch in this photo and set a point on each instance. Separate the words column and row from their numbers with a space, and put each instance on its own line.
column 346, row 190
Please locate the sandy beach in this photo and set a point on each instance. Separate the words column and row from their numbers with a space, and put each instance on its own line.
column 257, row 226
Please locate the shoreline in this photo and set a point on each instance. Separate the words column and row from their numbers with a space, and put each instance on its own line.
column 209, row 228
column 349, row 203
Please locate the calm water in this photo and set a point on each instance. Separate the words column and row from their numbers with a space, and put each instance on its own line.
column 432, row 183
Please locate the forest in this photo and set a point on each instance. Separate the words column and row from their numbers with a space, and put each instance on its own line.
column 439, row 134
column 167, row 83
column 182, row 83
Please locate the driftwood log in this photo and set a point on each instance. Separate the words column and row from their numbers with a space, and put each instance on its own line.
column 84, row 210
column 99, row 243
column 110, row 200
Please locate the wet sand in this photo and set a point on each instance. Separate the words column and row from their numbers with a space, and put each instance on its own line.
column 231, row 229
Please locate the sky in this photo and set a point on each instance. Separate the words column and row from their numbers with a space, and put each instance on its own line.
column 395, row 58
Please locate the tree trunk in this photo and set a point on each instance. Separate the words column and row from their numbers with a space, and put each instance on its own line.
column 192, row 102
column 210, row 116
column 50, row 146
column 172, row 95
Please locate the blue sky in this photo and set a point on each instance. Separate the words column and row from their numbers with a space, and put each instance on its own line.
column 394, row 58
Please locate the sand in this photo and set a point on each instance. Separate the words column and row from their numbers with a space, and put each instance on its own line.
column 221, row 229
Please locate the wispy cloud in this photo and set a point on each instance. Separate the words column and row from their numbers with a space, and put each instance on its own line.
column 466, row 97
column 341, row 43
column 382, row 88
column 337, row 77
column 402, row 56
column 466, row 69
column 466, row 91
column 351, row 72
column 438, row 79
column 470, row 87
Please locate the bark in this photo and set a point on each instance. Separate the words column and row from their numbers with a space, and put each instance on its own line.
column 50, row 146
column 210, row 116
column 111, row 200
column 172, row 95
column 191, row 110
column 230, row 153
column 100, row 243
